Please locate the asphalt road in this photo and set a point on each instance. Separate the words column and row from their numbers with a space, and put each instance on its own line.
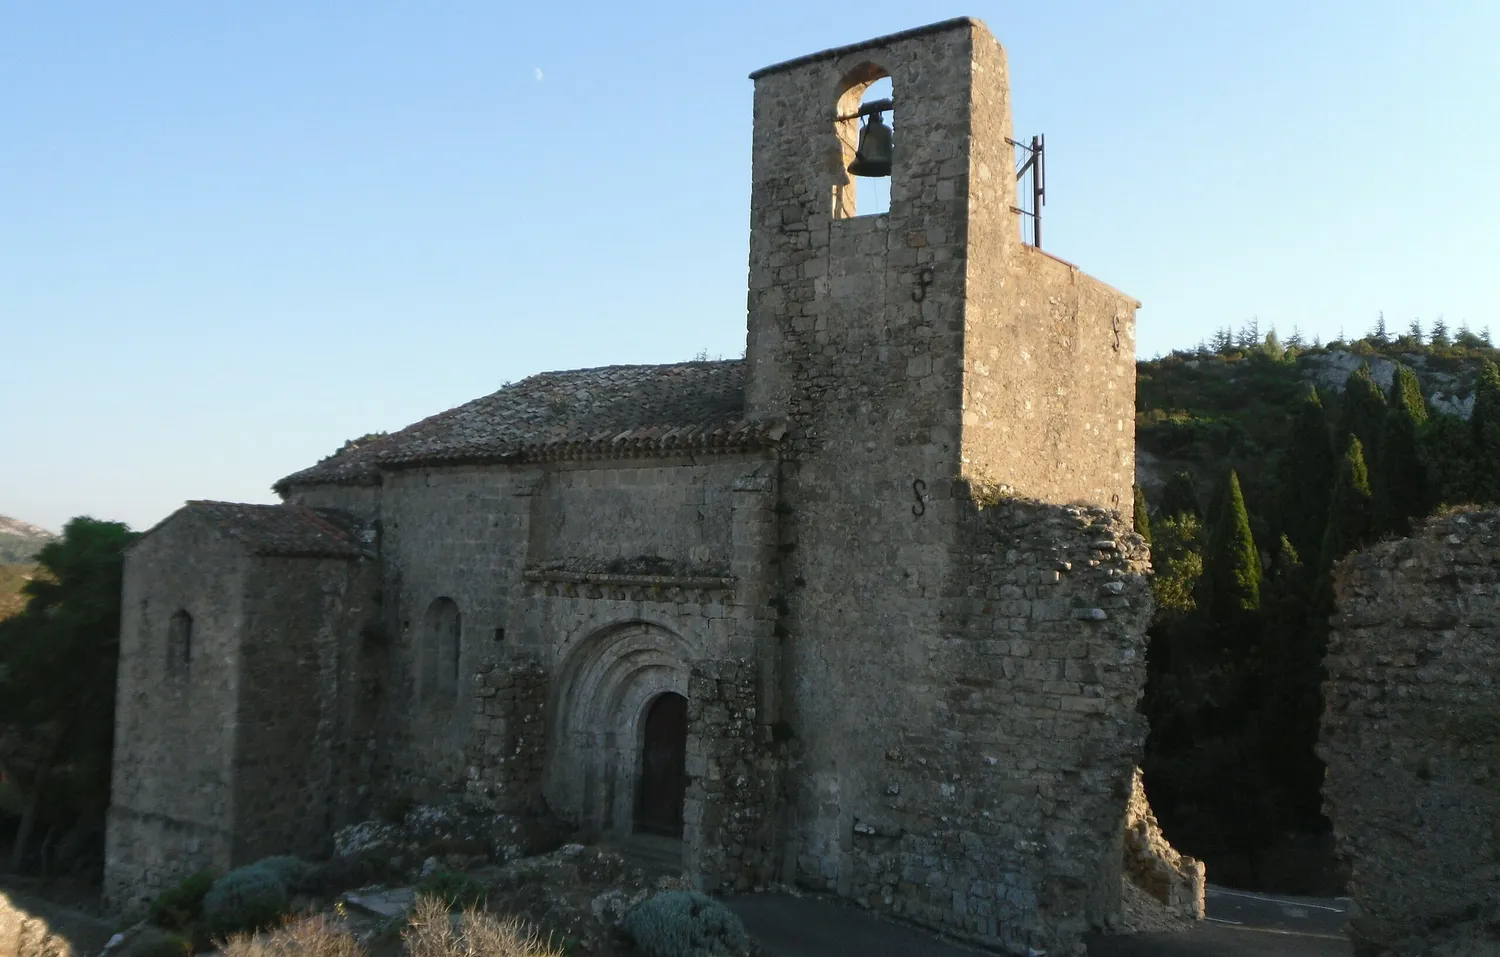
column 1239, row 925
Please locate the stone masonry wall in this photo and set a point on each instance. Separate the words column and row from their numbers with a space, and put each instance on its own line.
column 171, row 800
column 1411, row 736
column 304, row 621
column 1001, row 814
column 735, row 779
column 508, row 742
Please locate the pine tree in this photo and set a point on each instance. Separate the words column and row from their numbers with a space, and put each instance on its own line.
column 1180, row 497
column 1379, row 332
column 1351, row 508
column 1232, row 565
column 1402, row 489
column 1306, row 476
column 1484, row 424
column 1363, row 414
column 1294, row 341
column 1439, row 335
column 1415, row 331
column 1142, row 516
column 1273, row 348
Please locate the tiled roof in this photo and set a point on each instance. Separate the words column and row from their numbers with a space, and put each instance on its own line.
column 614, row 411
column 292, row 531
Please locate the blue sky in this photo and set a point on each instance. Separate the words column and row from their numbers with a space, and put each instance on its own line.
column 234, row 234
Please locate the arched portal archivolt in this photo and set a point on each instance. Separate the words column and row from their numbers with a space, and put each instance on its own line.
column 602, row 693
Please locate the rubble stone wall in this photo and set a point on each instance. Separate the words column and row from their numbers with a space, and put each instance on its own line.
column 1411, row 734
column 736, row 779
column 1000, row 816
column 508, row 742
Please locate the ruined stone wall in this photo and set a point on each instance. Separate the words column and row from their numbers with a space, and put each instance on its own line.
column 999, row 813
column 736, row 779
column 171, row 799
column 304, row 629
column 1411, row 735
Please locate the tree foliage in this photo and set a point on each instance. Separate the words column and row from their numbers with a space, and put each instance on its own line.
column 1306, row 475
column 57, row 678
column 1142, row 515
column 1232, row 565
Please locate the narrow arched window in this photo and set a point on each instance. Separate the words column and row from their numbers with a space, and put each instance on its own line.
column 866, row 104
column 179, row 642
column 439, row 659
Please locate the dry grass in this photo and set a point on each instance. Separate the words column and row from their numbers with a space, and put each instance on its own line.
column 431, row 933
column 307, row 937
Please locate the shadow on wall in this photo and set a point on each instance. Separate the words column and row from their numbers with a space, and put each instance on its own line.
column 31, row 928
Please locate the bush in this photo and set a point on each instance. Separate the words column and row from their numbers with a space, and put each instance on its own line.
column 430, row 933
column 249, row 898
column 293, row 872
column 455, row 889
column 177, row 907
column 686, row 924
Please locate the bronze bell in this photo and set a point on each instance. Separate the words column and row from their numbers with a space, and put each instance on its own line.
column 873, row 158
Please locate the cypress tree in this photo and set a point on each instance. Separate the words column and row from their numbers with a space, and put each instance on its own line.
column 1142, row 516
column 1306, row 476
column 1351, row 509
column 1179, row 497
column 1484, row 426
column 1232, row 563
column 1363, row 413
column 1447, row 447
column 1402, row 489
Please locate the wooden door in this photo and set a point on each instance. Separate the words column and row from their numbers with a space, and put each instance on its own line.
column 664, row 766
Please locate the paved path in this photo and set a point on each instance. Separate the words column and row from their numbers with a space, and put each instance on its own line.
column 1239, row 925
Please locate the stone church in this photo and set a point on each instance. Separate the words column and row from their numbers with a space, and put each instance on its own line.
column 857, row 613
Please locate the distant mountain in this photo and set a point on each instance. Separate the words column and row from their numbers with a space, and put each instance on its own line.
column 19, row 541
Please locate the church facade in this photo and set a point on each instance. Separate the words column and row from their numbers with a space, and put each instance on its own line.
column 857, row 613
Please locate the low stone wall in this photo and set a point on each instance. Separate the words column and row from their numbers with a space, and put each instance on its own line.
column 508, row 739
column 735, row 779
column 1411, row 735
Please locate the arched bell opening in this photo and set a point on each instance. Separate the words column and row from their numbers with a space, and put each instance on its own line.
column 865, row 127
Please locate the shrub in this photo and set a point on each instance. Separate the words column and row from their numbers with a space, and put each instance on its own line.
column 177, row 907
column 430, row 933
column 686, row 924
column 293, row 872
column 246, row 899
column 455, row 889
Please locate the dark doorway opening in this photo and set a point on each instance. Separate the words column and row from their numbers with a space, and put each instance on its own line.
column 664, row 766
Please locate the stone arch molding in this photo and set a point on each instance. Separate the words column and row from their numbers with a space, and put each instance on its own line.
column 601, row 696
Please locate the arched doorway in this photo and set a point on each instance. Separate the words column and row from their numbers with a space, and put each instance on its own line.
column 663, row 781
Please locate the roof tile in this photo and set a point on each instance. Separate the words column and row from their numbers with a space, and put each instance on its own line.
column 603, row 412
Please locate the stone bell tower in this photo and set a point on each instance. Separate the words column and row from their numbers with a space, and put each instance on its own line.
column 913, row 353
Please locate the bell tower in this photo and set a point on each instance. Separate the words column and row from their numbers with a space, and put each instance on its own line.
column 913, row 353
